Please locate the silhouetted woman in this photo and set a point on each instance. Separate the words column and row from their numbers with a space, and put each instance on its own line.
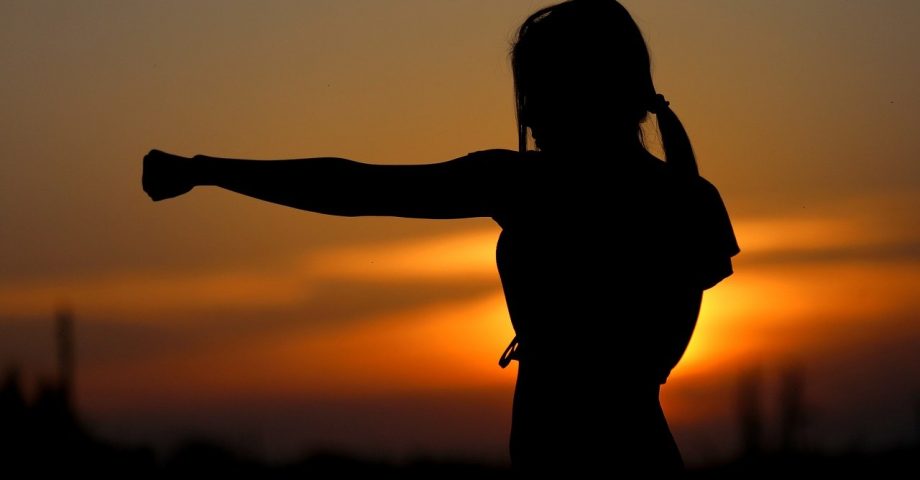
column 604, row 253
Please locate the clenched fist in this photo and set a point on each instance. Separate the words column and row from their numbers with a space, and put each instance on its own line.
column 166, row 175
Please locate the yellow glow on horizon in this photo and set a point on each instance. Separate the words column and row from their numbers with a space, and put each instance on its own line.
column 461, row 340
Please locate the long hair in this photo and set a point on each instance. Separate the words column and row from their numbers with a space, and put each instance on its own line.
column 582, row 71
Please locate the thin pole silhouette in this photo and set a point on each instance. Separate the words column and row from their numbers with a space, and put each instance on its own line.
column 605, row 250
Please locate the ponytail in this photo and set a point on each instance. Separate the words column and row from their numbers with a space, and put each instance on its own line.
column 522, row 137
column 677, row 149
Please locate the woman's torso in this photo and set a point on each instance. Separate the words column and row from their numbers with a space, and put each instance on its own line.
column 589, row 261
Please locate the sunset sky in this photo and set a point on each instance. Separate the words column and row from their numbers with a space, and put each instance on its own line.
column 283, row 331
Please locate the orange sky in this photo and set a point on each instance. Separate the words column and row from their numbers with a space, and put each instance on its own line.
column 218, row 313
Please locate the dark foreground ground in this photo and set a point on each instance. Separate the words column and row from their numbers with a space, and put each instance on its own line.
column 44, row 437
column 201, row 459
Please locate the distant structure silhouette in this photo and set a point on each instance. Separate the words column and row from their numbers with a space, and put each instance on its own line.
column 750, row 413
column 42, row 434
column 605, row 250
column 792, row 408
column 66, row 356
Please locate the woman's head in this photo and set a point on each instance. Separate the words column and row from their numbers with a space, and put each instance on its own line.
column 579, row 66
column 582, row 77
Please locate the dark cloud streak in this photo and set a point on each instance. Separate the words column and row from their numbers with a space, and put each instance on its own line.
column 903, row 252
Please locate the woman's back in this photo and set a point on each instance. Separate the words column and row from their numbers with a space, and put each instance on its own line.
column 599, row 261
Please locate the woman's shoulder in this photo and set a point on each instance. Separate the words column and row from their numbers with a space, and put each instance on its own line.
column 500, row 163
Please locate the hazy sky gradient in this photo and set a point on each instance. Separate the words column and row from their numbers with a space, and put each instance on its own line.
column 219, row 313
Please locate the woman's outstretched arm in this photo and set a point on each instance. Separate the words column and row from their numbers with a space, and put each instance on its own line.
column 468, row 186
